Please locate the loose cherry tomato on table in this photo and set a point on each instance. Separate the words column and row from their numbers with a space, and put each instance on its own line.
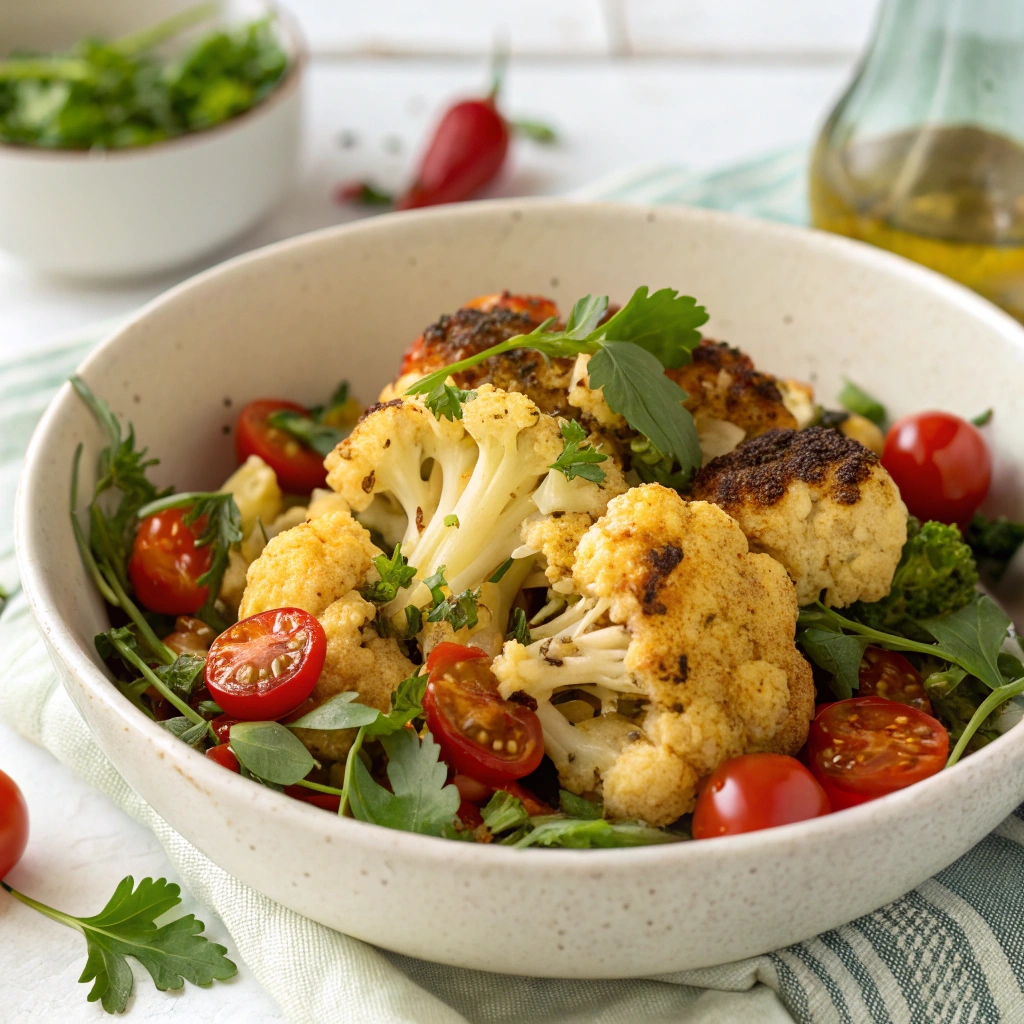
column 165, row 563
column 867, row 747
column 224, row 756
column 941, row 465
column 266, row 665
column 13, row 824
column 480, row 734
column 889, row 675
column 756, row 791
column 299, row 469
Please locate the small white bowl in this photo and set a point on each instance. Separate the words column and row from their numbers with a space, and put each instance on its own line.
column 133, row 212
column 296, row 317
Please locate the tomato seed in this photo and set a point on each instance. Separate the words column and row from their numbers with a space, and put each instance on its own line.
column 512, row 747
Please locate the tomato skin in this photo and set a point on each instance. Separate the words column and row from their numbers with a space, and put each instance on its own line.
column 299, row 469
column 239, row 669
column 756, row 791
column 165, row 563
column 532, row 805
column 446, row 654
column 870, row 747
column 888, row 675
column 222, row 726
column 13, row 824
column 941, row 464
column 225, row 757
column 462, row 703
column 469, row 814
column 327, row 801
column 839, row 798
column 473, row 791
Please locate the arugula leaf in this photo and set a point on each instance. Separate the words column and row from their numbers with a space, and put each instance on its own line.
column 321, row 437
column 395, row 574
column 446, row 401
column 665, row 324
column 579, row 807
column 504, row 811
column 184, row 675
column 838, row 654
column 857, row 400
column 520, row 628
column 340, row 712
column 271, row 752
column 172, row 953
column 635, row 385
column 590, row 833
column 971, row 638
column 420, row 800
column 578, row 456
column 994, row 543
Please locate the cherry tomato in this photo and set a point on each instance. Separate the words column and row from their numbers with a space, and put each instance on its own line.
column 446, row 654
column 941, row 465
column 222, row 726
column 889, row 675
column 190, row 636
column 299, row 469
column 328, row 801
column 165, row 563
column 480, row 734
column 465, row 152
column 224, row 756
column 472, row 790
column 870, row 747
column 756, row 791
column 266, row 665
column 469, row 815
column 13, row 824
column 531, row 804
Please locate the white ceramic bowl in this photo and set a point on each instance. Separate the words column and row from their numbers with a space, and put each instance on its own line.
column 293, row 319
column 133, row 212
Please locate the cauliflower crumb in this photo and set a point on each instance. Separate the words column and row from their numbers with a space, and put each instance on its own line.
column 818, row 502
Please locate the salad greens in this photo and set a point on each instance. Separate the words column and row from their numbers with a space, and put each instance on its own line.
column 325, row 426
column 994, row 543
column 123, row 93
column 578, row 456
column 855, row 399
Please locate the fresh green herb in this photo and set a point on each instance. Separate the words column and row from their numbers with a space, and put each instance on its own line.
column 395, row 574
column 184, row 675
column 420, row 800
column 119, row 94
column 590, row 833
column 270, row 751
column 446, row 401
column 519, row 628
column 499, row 573
column 504, row 812
column 340, row 712
column 536, row 131
column 578, row 456
column 436, row 583
column 955, row 698
column 654, row 467
column 857, row 400
column 172, row 953
column 209, row 708
column 321, row 437
column 936, row 575
column 839, row 654
column 188, row 732
column 363, row 192
column 629, row 352
column 579, row 807
column 460, row 610
column 983, row 419
column 451, row 520
column 994, row 542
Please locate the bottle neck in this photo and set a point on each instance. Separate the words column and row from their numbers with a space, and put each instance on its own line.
column 906, row 21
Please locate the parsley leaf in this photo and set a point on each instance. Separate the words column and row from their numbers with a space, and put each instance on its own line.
column 321, row 437
column 406, row 705
column 857, row 400
column 451, row 520
column 504, row 811
column 271, row 752
column 420, row 799
column 188, row 732
column 340, row 712
column 184, row 675
column 578, row 806
column 971, row 638
column 519, row 628
column 589, row 833
column 635, row 385
column 460, row 610
column 664, row 324
column 838, row 654
column 395, row 574
column 446, row 401
column 578, row 456
column 172, row 953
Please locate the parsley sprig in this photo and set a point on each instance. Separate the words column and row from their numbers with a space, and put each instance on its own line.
column 460, row 610
column 172, row 953
column 446, row 401
column 629, row 355
column 578, row 456
column 395, row 574
column 325, row 427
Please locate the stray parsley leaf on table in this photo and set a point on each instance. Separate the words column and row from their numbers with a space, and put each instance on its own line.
column 172, row 953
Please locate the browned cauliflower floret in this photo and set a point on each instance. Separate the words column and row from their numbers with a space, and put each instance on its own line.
column 686, row 639
column 818, row 502
column 556, row 538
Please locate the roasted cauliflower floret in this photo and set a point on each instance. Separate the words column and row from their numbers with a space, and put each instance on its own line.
column 684, row 637
column 818, row 502
column 556, row 538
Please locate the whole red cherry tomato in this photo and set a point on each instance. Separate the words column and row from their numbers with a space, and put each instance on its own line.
column 756, row 791
column 299, row 469
column 465, row 152
column 224, row 756
column 869, row 747
column 480, row 734
column 13, row 824
column 266, row 665
column 327, row 801
column 165, row 563
column 941, row 465
column 889, row 675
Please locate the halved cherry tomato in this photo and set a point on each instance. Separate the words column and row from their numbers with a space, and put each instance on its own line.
column 328, row 801
column 299, row 469
column 480, row 734
column 13, row 824
column 165, row 563
column 266, row 665
column 224, row 756
column 190, row 636
column 756, row 791
column 889, row 675
column 469, row 815
column 870, row 747
column 531, row 804
column 222, row 726
column 941, row 465
column 475, row 792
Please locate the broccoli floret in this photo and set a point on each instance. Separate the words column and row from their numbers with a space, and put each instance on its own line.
column 994, row 543
column 936, row 575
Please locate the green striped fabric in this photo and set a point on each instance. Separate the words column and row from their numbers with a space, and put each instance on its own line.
column 950, row 952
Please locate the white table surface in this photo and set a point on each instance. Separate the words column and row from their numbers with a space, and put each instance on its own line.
column 693, row 82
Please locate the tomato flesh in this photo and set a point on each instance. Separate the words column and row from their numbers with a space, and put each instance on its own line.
column 446, row 654
column 888, row 674
column 224, row 756
column 190, row 636
column 941, row 465
column 13, row 824
column 327, row 801
column 165, row 564
column 754, row 792
column 480, row 734
column 266, row 665
column 870, row 747
column 299, row 469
